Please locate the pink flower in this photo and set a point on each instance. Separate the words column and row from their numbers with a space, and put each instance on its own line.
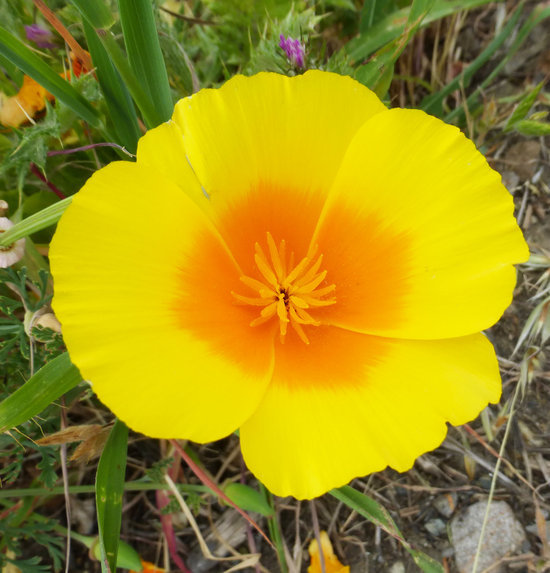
column 294, row 51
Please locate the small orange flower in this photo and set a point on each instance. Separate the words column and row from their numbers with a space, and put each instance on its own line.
column 316, row 272
column 21, row 108
column 31, row 98
column 332, row 565
column 149, row 568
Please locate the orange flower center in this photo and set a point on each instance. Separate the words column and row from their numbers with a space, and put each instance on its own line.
column 287, row 291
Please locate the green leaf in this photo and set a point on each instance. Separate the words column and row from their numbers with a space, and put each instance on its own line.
column 47, row 466
column 539, row 115
column 425, row 562
column 377, row 75
column 48, row 216
column 117, row 98
column 27, row 61
column 32, row 145
column 531, row 127
column 127, row 556
column 109, row 491
column 374, row 512
column 374, row 11
column 367, row 507
column 148, row 108
column 97, row 13
column 139, row 93
column 523, row 107
column 143, row 49
column 48, row 384
column 248, row 498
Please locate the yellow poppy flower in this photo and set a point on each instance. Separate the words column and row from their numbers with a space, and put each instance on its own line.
column 290, row 258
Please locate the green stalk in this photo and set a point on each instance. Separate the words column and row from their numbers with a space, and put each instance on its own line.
column 144, row 54
column 36, row 222
column 80, row 489
column 275, row 529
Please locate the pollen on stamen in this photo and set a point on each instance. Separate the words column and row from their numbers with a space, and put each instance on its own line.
column 285, row 291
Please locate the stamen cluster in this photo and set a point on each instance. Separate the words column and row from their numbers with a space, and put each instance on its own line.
column 287, row 291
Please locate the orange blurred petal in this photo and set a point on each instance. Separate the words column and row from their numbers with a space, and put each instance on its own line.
column 332, row 565
column 149, row 567
column 29, row 101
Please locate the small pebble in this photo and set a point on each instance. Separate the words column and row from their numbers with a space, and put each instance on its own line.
column 435, row 527
column 397, row 567
column 445, row 504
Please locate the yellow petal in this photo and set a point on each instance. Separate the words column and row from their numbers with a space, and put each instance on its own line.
column 418, row 233
column 273, row 132
column 144, row 297
column 350, row 404
column 332, row 565
column 162, row 149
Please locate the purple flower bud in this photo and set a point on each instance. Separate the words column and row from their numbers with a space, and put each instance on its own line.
column 294, row 51
column 40, row 36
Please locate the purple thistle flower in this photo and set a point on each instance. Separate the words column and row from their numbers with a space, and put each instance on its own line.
column 294, row 51
column 40, row 36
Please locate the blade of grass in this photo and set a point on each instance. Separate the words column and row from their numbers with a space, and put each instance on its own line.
column 48, row 384
column 523, row 107
column 521, row 384
column 377, row 74
column 539, row 14
column 136, row 485
column 275, row 529
column 101, row 23
column 109, row 491
column 374, row 512
column 151, row 115
column 36, row 222
column 144, row 54
column 248, row 498
column 27, row 61
column 367, row 507
column 98, row 13
column 393, row 26
column 117, row 98
column 374, row 11
column 434, row 103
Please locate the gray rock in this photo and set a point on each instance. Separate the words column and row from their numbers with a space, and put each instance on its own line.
column 503, row 536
